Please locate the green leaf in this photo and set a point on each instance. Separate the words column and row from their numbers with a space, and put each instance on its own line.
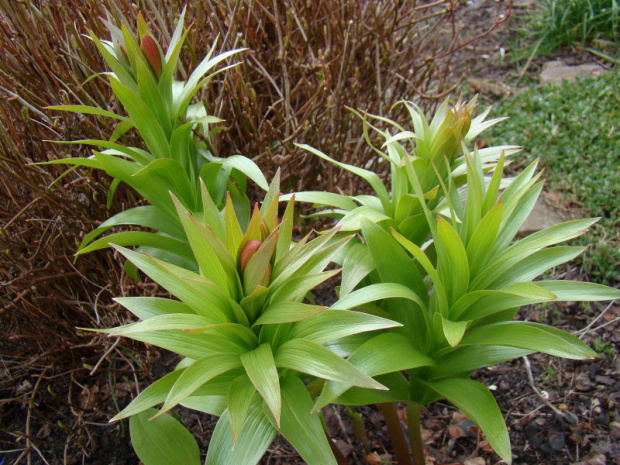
column 288, row 312
column 357, row 264
column 147, row 215
column 257, row 434
column 302, row 428
column 206, row 257
column 374, row 292
column 536, row 264
column 466, row 359
column 372, row 178
column 261, row 369
column 213, row 405
column 313, row 359
column 86, row 110
column 162, row 440
column 148, row 307
column 240, row 396
column 201, row 295
column 477, row 402
column 335, row 324
column 182, row 321
column 453, row 331
column 330, row 199
column 453, row 264
column 197, row 374
column 249, row 168
column 579, row 291
column 385, row 353
column 154, row 394
column 143, row 239
column 531, row 336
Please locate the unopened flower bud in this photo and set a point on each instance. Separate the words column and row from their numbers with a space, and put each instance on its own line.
column 151, row 52
column 248, row 250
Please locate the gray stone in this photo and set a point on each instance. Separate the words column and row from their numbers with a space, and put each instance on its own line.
column 556, row 71
column 542, row 217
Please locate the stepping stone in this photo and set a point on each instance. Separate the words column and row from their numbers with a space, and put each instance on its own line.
column 556, row 71
column 542, row 216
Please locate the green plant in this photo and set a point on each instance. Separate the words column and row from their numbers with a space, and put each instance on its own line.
column 573, row 128
column 176, row 137
column 568, row 22
column 248, row 340
column 468, row 281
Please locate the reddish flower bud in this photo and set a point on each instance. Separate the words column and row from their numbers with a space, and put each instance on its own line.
column 151, row 52
column 248, row 250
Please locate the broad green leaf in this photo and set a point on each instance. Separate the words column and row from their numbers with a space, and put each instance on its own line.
column 372, row 178
column 147, row 215
column 206, row 257
column 330, row 199
column 453, row 331
column 162, row 440
column 144, row 119
column 480, row 245
column 154, row 394
column 579, row 291
column 140, row 238
column 213, row 405
column 385, row 353
column 86, row 110
column 333, row 324
column 477, row 402
column 181, row 321
column 299, row 286
column 453, row 264
column 391, row 261
column 478, row 304
column 313, row 359
column 288, row 312
column 302, row 428
column 254, row 303
column 465, row 359
column 357, row 264
column 240, row 396
column 189, row 345
column 261, row 369
column 374, row 292
column 233, row 228
column 536, row 264
column 353, row 220
column 249, row 168
column 530, row 336
column 118, row 70
column 199, row 294
column 197, row 374
column 257, row 434
column 395, row 382
column 148, row 307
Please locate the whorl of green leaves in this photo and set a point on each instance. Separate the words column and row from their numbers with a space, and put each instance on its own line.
column 470, row 279
column 176, row 155
column 432, row 149
column 248, row 339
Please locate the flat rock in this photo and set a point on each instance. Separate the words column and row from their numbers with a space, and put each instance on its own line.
column 542, row 216
column 556, row 71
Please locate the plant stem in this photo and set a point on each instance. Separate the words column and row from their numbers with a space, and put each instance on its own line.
column 415, row 433
column 397, row 435
column 340, row 459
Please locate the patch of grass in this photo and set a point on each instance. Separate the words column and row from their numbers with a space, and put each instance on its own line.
column 569, row 22
column 575, row 131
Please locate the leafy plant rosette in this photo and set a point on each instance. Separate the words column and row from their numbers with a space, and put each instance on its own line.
column 176, row 156
column 466, row 283
column 248, row 339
